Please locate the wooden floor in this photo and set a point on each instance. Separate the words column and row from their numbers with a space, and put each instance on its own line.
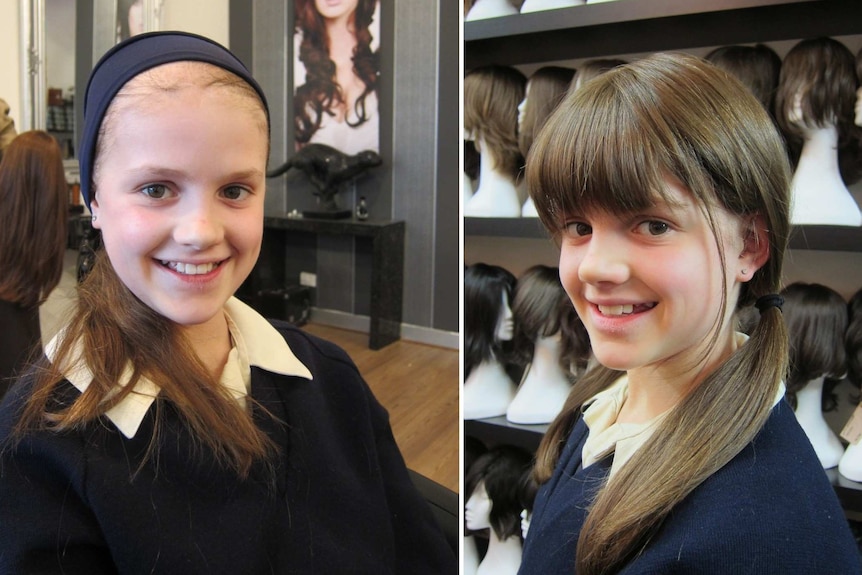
column 418, row 385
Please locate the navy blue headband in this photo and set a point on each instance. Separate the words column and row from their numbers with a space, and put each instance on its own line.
column 128, row 59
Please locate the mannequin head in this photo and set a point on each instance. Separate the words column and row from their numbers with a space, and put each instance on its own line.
column 816, row 318
column 545, row 89
column 593, row 68
column 542, row 309
column 853, row 339
column 527, row 494
column 487, row 292
column 758, row 67
column 494, row 502
column 817, row 89
column 491, row 98
column 858, row 109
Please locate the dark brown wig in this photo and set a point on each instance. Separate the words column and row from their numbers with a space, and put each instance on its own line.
column 758, row 67
column 816, row 318
column 500, row 471
column 545, row 90
column 485, row 286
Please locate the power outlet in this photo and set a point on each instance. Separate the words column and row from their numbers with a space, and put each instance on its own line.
column 308, row 279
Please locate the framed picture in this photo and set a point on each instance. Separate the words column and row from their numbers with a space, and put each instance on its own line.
column 336, row 74
column 117, row 20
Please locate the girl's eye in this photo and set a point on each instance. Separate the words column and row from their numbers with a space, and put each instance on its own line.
column 656, row 227
column 235, row 192
column 155, row 191
column 578, row 229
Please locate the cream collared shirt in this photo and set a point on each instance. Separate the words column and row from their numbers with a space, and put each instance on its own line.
column 608, row 436
column 256, row 342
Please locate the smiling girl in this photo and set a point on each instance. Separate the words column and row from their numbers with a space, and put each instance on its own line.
column 173, row 429
column 666, row 186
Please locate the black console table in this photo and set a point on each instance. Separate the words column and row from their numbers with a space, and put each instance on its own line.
column 387, row 267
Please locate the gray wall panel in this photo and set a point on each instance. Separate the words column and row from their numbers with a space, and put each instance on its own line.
column 414, row 138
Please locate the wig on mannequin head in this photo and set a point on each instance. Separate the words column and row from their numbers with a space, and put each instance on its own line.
column 321, row 91
column 853, row 339
column 609, row 147
column 542, row 309
column 500, row 471
column 546, row 89
column 758, row 67
column 592, row 69
column 823, row 72
column 491, row 98
column 816, row 318
column 485, row 286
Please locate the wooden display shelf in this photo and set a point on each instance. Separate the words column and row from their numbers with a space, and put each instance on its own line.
column 632, row 26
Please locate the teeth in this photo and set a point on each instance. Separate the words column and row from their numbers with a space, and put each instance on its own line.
column 190, row 269
column 616, row 309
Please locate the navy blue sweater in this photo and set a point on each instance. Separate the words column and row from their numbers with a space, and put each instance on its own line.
column 340, row 502
column 770, row 510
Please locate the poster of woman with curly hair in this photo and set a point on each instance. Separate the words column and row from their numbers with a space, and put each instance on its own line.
column 336, row 74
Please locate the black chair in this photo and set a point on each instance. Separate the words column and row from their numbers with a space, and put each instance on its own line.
column 444, row 506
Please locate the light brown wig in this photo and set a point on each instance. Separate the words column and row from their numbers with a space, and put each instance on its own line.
column 547, row 88
column 609, row 147
column 35, row 200
column 491, row 98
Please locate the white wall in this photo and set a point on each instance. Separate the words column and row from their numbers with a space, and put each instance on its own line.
column 205, row 17
column 10, row 79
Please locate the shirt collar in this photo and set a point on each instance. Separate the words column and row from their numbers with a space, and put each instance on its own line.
column 257, row 343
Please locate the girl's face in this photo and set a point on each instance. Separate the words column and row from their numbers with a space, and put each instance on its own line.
column 335, row 9
column 179, row 197
column 648, row 286
column 477, row 511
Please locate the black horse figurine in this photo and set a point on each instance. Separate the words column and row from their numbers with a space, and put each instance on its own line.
column 330, row 171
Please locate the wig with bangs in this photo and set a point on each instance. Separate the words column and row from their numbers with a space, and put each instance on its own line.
column 609, row 147
column 491, row 98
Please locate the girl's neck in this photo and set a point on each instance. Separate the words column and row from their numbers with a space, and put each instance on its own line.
column 654, row 389
column 211, row 342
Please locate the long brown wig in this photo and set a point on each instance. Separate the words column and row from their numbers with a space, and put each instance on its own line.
column 35, row 199
column 608, row 147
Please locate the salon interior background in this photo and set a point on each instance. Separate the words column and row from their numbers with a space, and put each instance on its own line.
column 419, row 123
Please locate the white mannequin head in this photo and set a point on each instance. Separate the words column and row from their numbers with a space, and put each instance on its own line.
column 477, row 511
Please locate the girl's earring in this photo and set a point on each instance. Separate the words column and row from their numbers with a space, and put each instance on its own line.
column 95, row 217
column 744, row 272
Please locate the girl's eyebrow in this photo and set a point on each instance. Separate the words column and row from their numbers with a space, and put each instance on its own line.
column 166, row 173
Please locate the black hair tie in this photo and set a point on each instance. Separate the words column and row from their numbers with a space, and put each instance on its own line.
column 767, row 301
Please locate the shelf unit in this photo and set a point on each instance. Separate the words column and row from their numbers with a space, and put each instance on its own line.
column 632, row 26
column 640, row 26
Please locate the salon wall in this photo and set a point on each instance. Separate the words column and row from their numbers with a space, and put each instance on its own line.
column 10, row 80
column 419, row 67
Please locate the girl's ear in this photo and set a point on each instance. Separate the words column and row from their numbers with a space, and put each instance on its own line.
column 755, row 251
column 94, row 209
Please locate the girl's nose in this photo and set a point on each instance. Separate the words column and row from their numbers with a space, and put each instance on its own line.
column 199, row 226
column 606, row 260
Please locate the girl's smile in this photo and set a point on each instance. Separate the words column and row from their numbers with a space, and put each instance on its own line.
column 648, row 286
